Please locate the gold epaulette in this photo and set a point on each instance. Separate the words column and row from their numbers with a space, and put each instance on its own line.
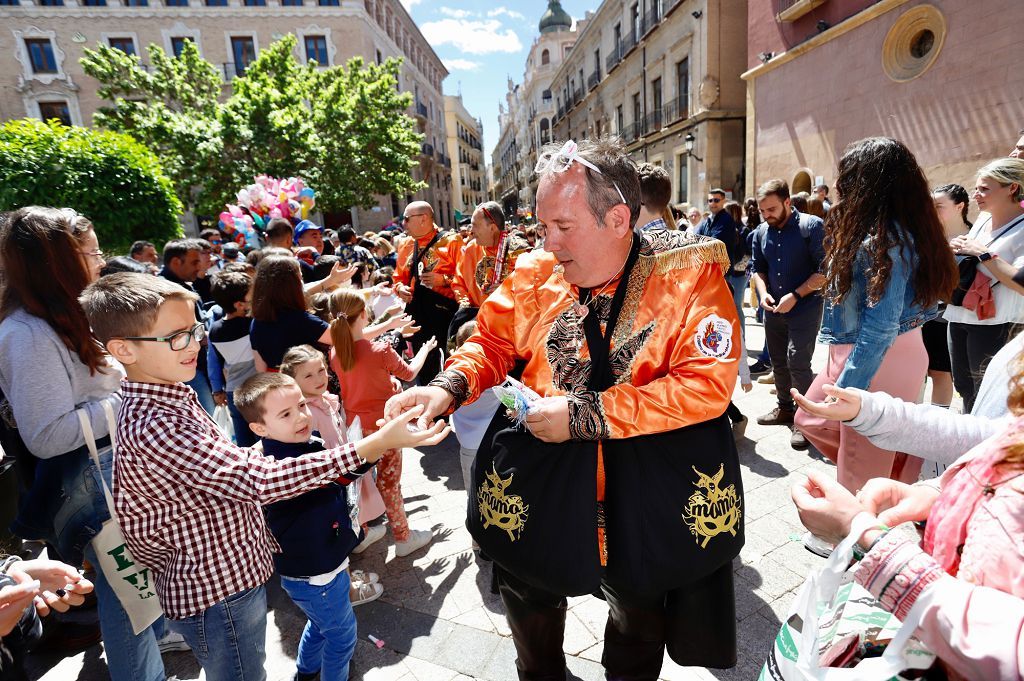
column 672, row 250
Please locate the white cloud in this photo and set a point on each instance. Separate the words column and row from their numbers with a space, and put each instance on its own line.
column 472, row 37
column 510, row 13
column 409, row 4
column 461, row 65
column 455, row 13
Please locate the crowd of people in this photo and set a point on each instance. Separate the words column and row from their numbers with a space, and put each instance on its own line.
column 263, row 398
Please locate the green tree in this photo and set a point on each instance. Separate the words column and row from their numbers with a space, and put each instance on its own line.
column 108, row 177
column 342, row 129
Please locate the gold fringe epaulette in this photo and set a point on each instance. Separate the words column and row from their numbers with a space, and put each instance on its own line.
column 679, row 250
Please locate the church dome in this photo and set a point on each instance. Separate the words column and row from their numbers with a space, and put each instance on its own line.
column 555, row 18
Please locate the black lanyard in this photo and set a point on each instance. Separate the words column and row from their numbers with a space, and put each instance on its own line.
column 600, row 344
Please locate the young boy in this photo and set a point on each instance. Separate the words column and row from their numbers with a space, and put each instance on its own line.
column 230, row 349
column 315, row 530
column 189, row 500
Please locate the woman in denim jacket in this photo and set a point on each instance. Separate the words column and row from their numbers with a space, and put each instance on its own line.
column 50, row 367
column 887, row 266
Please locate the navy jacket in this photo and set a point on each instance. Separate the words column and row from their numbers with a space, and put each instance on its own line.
column 313, row 529
column 721, row 226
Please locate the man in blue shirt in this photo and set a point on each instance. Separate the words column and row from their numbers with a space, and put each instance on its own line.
column 788, row 250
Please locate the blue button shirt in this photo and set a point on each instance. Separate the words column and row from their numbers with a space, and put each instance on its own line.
column 787, row 257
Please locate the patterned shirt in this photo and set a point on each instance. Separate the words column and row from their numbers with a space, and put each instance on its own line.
column 188, row 500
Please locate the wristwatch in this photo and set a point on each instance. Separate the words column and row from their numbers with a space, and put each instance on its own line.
column 985, row 257
column 796, row 294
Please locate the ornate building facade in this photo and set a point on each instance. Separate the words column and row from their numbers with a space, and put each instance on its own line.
column 41, row 42
column 465, row 148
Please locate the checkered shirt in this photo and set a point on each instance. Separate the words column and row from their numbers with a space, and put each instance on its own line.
column 189, row 500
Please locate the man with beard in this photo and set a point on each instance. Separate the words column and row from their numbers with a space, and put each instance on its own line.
column 788, row 249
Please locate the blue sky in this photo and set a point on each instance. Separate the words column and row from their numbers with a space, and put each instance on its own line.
column 482, row 44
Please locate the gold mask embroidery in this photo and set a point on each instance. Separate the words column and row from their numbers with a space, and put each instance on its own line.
column 713, row 511
column 504, row 512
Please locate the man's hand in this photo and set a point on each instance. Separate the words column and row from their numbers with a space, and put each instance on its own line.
column 403, row 292
column 840, row 405
column 786, row 304
column 431, row 279
column 548, row 419
column 435, row 401
column 897, row 502
column 768, row 303
column 220, row 398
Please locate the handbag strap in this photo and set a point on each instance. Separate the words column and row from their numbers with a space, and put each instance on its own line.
column 90, row 443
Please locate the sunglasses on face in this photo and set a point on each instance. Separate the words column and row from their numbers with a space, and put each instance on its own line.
column 715, row 200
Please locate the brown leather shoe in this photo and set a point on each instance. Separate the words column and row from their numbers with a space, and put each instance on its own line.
column 777, row 417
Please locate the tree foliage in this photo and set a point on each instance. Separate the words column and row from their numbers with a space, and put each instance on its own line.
column 108, row 177
column 342, row 129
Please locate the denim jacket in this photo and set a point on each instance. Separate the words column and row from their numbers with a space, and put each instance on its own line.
column 871, row 329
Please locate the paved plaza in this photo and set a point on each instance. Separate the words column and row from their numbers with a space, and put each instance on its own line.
column 440, row 622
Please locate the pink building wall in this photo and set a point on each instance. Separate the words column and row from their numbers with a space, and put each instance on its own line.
column 966, row 109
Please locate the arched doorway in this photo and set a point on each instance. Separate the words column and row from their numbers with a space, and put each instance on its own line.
column 801, row 181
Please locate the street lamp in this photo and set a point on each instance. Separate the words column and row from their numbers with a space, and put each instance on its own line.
column 690, row 140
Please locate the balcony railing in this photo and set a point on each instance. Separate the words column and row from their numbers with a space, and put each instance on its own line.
column 614, row 58
column 677, row 109
column 593, row 80
column 650, row 20
column 628, row 43
column 652, row 122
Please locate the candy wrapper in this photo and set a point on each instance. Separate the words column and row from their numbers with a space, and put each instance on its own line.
column 517, row 398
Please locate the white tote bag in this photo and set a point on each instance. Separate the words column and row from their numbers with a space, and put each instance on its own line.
column 131, row 581
column 828, row 606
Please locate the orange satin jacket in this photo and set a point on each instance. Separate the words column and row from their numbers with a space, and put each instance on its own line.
column 441, row 258
column 674, row 351
column 475, row 270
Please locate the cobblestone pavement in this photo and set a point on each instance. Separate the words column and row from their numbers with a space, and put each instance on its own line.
column 440, row 622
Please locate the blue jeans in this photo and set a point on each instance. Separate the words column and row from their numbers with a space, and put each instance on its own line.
column 738, row 283
column 329, row 639
column 229, row 638
column 244, row 437
column 201, row 384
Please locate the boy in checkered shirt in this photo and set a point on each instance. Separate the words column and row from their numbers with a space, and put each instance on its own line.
column 188, row 500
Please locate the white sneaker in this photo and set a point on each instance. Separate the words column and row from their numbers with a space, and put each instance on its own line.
column 417, row 540
column 172, row 642
column 373, row 534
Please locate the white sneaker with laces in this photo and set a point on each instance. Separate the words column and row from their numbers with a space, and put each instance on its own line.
column 417, row 540
column 172, row 642
column 373, row 534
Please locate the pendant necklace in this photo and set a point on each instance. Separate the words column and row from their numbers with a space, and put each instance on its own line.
column 581, row 309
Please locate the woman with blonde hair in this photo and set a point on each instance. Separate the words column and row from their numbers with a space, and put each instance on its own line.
column 365, row 370
column 987, row 302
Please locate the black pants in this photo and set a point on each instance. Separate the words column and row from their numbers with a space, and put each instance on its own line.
column 433, row 313
column 696, row 623
column 790, row 338
column 971, row 346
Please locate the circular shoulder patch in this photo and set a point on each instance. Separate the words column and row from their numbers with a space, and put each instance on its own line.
column 714, row 338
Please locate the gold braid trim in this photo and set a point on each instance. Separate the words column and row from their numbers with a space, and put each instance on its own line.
column 693, row 255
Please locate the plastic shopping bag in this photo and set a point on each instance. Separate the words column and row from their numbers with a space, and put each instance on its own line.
column 832, row 616
column 222, row 417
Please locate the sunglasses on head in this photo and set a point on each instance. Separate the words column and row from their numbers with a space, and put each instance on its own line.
column 560, row 161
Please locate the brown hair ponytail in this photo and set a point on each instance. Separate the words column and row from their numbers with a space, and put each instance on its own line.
column 345, row 306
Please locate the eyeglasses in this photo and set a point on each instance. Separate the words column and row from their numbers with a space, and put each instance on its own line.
column 714, row 200
column 560, row 161
column 94, row 254
column 178, row 341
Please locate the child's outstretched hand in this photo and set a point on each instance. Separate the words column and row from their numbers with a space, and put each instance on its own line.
column 400, row 432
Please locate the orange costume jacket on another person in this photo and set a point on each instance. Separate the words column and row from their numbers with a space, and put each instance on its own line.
column 475, row 276
column 674, row 352
column 441, row 257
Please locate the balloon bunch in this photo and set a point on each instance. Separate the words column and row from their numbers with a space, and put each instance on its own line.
column 259, row 203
